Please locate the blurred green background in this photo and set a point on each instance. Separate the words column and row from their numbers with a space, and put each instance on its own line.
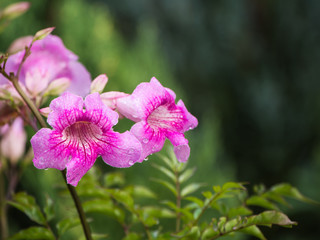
column 249, row 70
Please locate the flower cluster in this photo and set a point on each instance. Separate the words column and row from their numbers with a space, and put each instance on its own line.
column 82, row 129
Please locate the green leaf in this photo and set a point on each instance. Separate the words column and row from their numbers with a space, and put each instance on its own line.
column 169, row 162
column 27, row 204
column 67, row 224
column 141, row 191
column 105, row 207
column 196, row 200
column 191, row 188
column 254, row 231
column 261, row 202
column 167, row 184
column 33, row 233
column 123, row 197
column 290, row 191
column 209, row 233
column 217, row 189
column 207, row 194
column 166, row 171
column 49, row 208
column 193, row 234
column 232, row 185
column 114, row 179
column 158, row 212
column 268, row 218
column 187, row 175
column 132, row 236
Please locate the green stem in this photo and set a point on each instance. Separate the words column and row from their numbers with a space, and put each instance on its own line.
column 178, row 202
column 77, row 202
column 27, row 100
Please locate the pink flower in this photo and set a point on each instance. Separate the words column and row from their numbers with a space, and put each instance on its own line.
column 13, row 140
column 49, row 60
column 158, row 117
column 82, row 130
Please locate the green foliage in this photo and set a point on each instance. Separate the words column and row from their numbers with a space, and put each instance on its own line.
column 225, row 210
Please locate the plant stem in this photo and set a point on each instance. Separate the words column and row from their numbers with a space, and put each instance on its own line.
column 77, row 202
column 178, row 202
column 27, row 100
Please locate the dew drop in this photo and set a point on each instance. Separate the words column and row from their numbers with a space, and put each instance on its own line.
column 146, row 159
column 131, row 163
column 131, row 151
column 134, row 116
column 145, row 140
column 46, row 169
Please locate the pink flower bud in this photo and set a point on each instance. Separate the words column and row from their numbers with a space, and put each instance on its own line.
column 13, row 141
column 15, row 10
column 99, row 83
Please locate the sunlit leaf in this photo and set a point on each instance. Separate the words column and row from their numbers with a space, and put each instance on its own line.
column 165, row 171
column 67, row 224
column 123, row 197
column 142, row 191
column 33, row 233
column 196, row 200
column 187, row 175
column 27, row 204
column 232, row 185
column 191, row 188
column 167, row 184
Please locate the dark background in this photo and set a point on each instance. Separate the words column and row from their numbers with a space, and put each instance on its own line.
column 248, row 69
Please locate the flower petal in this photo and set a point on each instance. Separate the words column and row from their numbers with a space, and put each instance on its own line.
column 144, row 99
column 151, row 141
column 190, row 121
column 65, row 110
column 181, row 147
column 98, row 113
column 49, row 152
column 80, row 78
column 77, row 168
column 122, row 150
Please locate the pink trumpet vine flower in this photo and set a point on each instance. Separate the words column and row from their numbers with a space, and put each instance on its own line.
column 82, row 131
column 158, row 117
column 49, row 60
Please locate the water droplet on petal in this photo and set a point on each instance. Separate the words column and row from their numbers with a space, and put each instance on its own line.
column 134, row 116
column 46, row 169
column 145, row 140
column 131, row 163
column 146, row 159
column 131, row 151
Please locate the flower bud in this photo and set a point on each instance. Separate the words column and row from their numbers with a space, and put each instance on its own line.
column 58, row 86
column 99, row 83
column 13, row 141
column 15, row 10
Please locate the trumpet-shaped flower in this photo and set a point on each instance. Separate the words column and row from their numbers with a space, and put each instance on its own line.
column 82, row 131
column 49, row 60
column 157, row 117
